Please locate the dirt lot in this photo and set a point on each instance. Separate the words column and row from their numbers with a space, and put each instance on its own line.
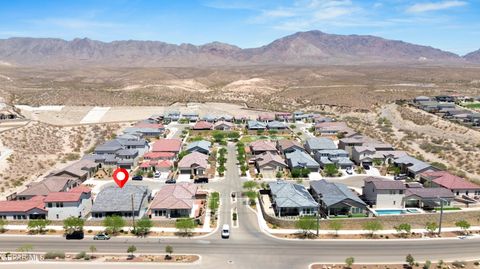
column 443, row 265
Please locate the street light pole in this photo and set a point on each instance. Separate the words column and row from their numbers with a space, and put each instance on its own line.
column 318, row 212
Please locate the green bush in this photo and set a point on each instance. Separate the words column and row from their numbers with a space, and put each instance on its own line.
column 51, row 255
column 81, row 255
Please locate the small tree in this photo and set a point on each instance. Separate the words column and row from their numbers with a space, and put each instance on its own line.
column 431, row 227
column 305, row 224
column 336, row 226
column 250, row 185
column 3, row 223
column 92, row 249
column 330, row 170
column 221, row 170
column 279, row 174
column 131, row 249
column 464, row 225
column 372, row 227
column 427, row 264
column 113, row 224
column 296, row 172
column 73, row 224
column 214, row 202
column 37, row 225
column 349, row 262
column 410, row 260
column 169, row 251
column 143, row 227
column 251, row 197
column 185, row 226
column 403, row 229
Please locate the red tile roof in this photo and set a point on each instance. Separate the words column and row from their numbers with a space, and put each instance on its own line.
column 81, row 189
column 167, row 145
column 158, row 155
column 194, row 158
column 145, row 165
column 178, row 196
column 23, row 205
column 262, row 145
column 449, row 181
column 164, row 164
column 202, row 125
column 63, row 197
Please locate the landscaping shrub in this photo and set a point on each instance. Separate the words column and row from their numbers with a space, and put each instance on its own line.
column 51, row 255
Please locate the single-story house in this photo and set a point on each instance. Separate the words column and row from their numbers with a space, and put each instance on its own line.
column 336, row 198
column 77, row 202
column 81, row 170
column 202, row 146
column 384, row 193
column 262, row 146
column 300, row 159
column 190, row 116
column 266, row 117
column 210, row 118
column 174, row 201
column 334, row 128
column 48, row 185
column 113, row 200
column 202, row 125
column 286, row 146
column 413, row 167
column 256, row 125
column 159, row 156
column 457, row 185
column 268, row 164
column 315, row 144
column 167, row 145
column 223, row 125
column 276, row 125
column 23, row 209
column 290, row 199
column 195, row 163
column 427, row 197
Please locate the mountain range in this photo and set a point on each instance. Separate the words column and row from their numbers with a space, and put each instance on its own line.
column 302, row 48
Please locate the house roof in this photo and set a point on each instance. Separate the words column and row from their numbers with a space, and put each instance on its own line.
column 291, row 195
column 167, row 145
column 46, row 186
column 218, row 123
column 110, row 145
column 334, row 193
column 414, row 165
column 164, row 163
column 429, row 193
column 23, row 205
column 285, row 144
column 268, row 157
column 81, row 189
column 158, row 155
column 79, row 168
column 276, row 125
column 194, row 158
column 449, row 181
column 385, row 184
column 319, row 143
column 63, row 197
column 263, row 145
column 201, row 125
column 301, row 159
column 203, row 144
column 253, row 124
column 115, row 199
column 177, row 196
column 127, row 152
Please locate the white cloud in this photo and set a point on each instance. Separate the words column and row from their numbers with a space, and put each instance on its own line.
column 434, row 6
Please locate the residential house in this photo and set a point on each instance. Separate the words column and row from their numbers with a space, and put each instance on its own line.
column 283, row 116
column 299, row 159
column 174, row 201
column 159, row 156
column 368, row 153
column 286, row 146
column 209, row 118
column 223, row 126
column 339, row 157
column 458, row 186
column 413, row 167
column 225, row 117
column 77, row 202
column 172, row 116
column 266, row 117
column 48, row 185
column 336, row 199
column 195, row 164
column 315, row 144
column 81, row 170
column 202, row 146
column 419, row 99
column 383, row 193
column 334, row 129
column 276, row 125
column 299, row 116
column 167, row 145
column 290, row 199
column 254, row 125
column 23, row 209
column 202, row 125
column 190, row 116
column 261, row 146
column 119, row 152
column 269, row 164
column 123, row 202
column 445, row 98
column 428, row 198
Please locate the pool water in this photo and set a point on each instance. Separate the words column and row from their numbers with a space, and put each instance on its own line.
column 382, row 212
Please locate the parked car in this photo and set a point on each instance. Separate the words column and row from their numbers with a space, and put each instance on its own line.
column 225, row 231
column 101, row 236
column 349, row 171
column 137, row 177
column 78, row 235
column 157, row 175
column 400, row 177
column 170, row 181
column 366, row 166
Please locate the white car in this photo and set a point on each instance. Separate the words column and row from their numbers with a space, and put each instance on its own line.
column 157, row 175
column 225, row 231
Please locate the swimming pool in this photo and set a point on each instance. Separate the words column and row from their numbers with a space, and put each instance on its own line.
column 383, row 212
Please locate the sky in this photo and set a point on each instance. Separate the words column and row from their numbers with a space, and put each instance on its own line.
column 451, row 25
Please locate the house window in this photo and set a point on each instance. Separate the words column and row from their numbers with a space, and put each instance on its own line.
column 394, row 202
column 466, row 193
column 458, row 193
column 49, row 205
column 400, row 192
column 59, row 204
column 58, row 216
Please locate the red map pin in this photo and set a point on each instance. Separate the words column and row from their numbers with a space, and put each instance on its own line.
column 120, row 176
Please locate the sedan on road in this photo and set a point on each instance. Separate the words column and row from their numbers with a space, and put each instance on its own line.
column 101, row 236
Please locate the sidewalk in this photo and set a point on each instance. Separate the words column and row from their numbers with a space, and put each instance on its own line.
column 264, row 226
column 204, row 229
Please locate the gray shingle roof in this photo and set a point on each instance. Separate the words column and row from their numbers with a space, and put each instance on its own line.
column 414, row 165
column 320, row 143
column 301, row 159
column 385, row 184
column 253, row 124
column 203, row 144
column 334, row 193
column 291, row 195
column 115, row 199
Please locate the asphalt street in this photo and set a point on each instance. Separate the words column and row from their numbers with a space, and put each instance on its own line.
column 248, row 247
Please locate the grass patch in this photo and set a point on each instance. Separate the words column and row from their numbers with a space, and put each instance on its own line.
column 471, row 105
column 448, row 208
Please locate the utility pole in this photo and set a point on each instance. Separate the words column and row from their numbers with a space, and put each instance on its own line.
column 441, row 217
column 133, row 213
column 318, row 213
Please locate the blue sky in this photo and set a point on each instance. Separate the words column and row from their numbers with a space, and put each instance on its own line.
column 452, row 25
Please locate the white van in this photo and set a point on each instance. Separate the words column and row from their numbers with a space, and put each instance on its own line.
column 225, row 231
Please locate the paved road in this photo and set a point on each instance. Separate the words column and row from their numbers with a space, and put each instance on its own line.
column 248, row 247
